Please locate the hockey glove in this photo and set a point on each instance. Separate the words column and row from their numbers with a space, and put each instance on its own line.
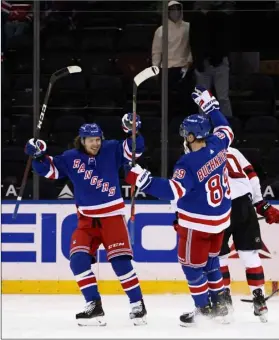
column 205, row 100
column 127, row 123
column 139, row 176
column 35, row 149
column 266, row 210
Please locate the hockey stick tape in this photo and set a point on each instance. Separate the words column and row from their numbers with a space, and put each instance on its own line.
column 74, row 69
column 146, row 74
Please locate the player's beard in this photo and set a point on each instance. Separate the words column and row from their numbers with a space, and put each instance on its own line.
column 92, row 152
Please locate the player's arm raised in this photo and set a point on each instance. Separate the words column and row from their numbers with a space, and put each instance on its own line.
column 124, row 153
column 43, row 164
column 210, row 106
column 166, row 189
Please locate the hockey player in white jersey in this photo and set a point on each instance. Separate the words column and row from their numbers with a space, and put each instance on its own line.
column 245, row 230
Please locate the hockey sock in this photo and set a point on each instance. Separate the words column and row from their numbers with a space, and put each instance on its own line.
column 225, row 272
column 127, row 276
column 214, row 277
column 254, row 269
column 80, row 264
column 198, row 286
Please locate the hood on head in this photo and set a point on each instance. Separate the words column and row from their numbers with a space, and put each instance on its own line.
column 172, row 3
column 176, row 3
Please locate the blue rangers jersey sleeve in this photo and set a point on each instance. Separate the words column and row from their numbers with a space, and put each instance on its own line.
column 222, row 129
column 96, row 184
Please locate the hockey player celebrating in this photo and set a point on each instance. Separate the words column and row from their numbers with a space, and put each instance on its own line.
column 245, row 229
column 199, row 188
column 92, row 166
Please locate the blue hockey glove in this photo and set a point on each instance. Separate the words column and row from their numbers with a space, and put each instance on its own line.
column 35, row 149
column 127, row 122
column 204, row 99
column 138, row 176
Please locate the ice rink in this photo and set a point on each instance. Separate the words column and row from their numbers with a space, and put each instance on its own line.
column 52, row 316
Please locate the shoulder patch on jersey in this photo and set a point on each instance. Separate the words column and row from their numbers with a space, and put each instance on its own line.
column 220, row 135
column 179, row 173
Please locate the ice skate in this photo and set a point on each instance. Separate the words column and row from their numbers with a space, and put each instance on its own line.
column 189, row 319
column 228, row 299
column 220, row 310
column 93, row 315
column 138, row 313
column 260, row 308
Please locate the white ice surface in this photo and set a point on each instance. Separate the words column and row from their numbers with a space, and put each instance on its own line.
column 53, row 316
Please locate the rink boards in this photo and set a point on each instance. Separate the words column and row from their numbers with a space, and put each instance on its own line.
column 35, row 251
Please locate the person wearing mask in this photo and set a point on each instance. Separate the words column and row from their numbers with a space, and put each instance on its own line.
column 179, row 54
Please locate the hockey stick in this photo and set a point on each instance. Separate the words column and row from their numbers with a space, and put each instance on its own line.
column 138, row 79
column 54, row 77
column 267, row 298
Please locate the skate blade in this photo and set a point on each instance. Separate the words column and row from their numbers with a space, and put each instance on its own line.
column 98, row 321
column 140, row 321
column 187, row 324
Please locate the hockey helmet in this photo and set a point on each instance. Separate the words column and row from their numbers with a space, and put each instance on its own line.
column 90, row 130
column 197, row 125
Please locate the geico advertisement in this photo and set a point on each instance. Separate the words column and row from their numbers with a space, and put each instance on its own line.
column 36, row 244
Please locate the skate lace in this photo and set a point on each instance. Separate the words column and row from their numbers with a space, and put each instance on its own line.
column 89, row 307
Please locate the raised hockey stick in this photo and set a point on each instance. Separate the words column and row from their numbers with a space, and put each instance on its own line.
column 267, row 298
column 138, row 79
column 54, row 77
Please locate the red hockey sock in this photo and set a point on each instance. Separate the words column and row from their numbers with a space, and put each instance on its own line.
column 255, row 277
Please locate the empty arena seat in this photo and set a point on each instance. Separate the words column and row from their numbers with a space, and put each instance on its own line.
column 136, row 37
column 101, row 63
column 99, row 40
column 66, row 129
column 13, row 163
column 255, row 157
column 53, row 61
column 271, row 163
column 261, row 124
column 24, row 130
column 60, row 42
column 261, row 132
column 111, row 126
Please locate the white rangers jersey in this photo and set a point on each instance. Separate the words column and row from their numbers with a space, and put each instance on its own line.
column 242, row 176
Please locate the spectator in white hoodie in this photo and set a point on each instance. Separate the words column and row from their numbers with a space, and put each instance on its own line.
column 179, row 53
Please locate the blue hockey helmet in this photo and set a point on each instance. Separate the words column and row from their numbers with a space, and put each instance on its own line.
column 90, row 130
column 197, row 125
